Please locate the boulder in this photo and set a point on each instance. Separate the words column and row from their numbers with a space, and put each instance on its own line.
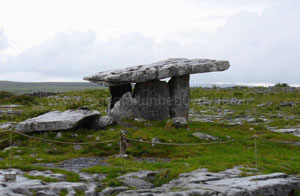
column 180, row 96
column 153, row 100
column 179, row 122
column 103, row 122
column 126, row 107
column 159, row 70
column 58, row 121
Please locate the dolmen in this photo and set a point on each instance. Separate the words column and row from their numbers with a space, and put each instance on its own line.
column 138, row 92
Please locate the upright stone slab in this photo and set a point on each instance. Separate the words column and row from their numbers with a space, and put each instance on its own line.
column 117, row 92
column 125, row 108
column 153, row 99
column 180, row 96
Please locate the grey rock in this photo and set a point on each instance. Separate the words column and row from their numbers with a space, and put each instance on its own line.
column 104, row 121
column 179, row 122
column 74, row 135
column 180, row 96
column 153, row 100
column 10, row 106
column 126, row 107
column 139, row 120
column 159, row 70
column 5, row 125
column 204, row 136
column 293, row 131
column 8, row 148
column 155, row 140
column 56, row 120
column 91, row 177
column 33, row 154
column 11, row 112
column 113, row 190
column 77, row 147
column 140, row 180
column 58, row 135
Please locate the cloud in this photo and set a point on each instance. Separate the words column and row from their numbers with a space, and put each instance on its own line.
column 260, row 47
column 3, row 40
column 73, row 55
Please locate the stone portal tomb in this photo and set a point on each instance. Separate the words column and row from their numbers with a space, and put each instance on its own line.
column 151, row 98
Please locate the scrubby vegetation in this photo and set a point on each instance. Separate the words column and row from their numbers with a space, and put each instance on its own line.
column 169, row 160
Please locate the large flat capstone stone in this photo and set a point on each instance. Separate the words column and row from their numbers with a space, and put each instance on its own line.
column 159, row 70
column 56, row 120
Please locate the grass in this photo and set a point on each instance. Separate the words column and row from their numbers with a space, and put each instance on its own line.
column 271, row 157
column 28, row 87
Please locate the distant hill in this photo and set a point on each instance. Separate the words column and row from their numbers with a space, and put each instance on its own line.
column 27, row 87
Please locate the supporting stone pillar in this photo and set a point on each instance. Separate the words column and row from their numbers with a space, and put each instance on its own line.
column 180, row 96
column 117, row 92
column 153, row 99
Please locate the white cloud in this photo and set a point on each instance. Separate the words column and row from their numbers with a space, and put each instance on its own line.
column 262, row 47
column 3, row 40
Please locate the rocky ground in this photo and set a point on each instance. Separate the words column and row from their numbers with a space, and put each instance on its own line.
column 198, row 182
column 216, row 115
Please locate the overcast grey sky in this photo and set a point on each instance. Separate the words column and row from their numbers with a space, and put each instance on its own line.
column 65, row 40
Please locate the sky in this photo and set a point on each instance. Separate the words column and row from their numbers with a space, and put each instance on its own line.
column 65, row 40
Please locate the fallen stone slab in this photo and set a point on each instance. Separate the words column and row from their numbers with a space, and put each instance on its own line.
column 159, row 70
column 227, row 183
column 57, row 121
